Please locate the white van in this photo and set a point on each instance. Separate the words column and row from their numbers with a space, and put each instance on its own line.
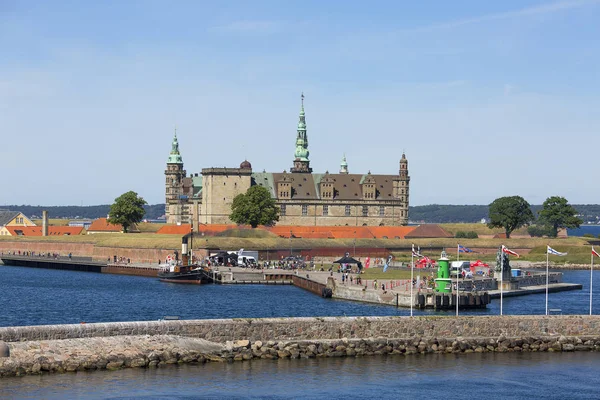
column 457, row 267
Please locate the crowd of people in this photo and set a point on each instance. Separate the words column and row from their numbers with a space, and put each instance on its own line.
column 34, row 254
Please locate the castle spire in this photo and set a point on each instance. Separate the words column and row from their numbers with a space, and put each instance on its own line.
column 175, row 156
column 301, row 161
column 344, row 165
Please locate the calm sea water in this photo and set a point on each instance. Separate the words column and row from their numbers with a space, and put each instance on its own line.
column 38, row 296
column 582, row 230
column 41, row 297
column 433, row 376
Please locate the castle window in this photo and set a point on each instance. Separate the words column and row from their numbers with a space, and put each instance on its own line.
column 282, row 210
column 365, row 211
column 402, row 213
column 304, row 209
column 347, row 211
column 381, row 211
column 325, row 210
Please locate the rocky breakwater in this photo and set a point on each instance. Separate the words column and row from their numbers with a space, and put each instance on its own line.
column 113, row 353
column 66, row 348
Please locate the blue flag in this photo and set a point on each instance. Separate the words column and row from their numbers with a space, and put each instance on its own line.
column 463, row 249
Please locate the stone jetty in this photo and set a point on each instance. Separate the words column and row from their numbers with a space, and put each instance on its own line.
column 112, row 346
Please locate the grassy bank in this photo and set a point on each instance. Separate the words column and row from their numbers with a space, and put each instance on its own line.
column 578, row 249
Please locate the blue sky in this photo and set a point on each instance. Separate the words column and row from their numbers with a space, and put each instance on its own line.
column 487, row 99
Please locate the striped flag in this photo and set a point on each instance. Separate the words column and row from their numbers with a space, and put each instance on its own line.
column 415, row 252
column 550, row 250
column 594, row 252
column 463, row 249
column 507, row 251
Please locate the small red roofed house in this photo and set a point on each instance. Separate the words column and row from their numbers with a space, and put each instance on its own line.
column 101, row 225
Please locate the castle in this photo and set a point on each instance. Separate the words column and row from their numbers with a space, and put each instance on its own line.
column 303, row 197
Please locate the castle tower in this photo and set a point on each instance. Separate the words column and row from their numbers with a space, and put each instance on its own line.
column 403, row 189
column 174, row 175
column 344, row 166
column 301, row 161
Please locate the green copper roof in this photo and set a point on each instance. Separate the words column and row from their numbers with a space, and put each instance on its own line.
column 174, row 156
column 264, row 179
column 302, row 152
column 344, row 163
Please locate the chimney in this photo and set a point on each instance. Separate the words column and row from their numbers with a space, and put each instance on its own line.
column 44, row 223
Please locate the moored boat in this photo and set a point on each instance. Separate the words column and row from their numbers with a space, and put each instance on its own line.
column 183, row 274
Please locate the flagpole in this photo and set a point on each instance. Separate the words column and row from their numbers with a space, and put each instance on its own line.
column 547, row 255
column 412, row 263
column 457, row 259
column 501, row 279
column 591, row 279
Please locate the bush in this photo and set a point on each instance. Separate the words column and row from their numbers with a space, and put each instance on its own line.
column 588, row 235
column 472, row 235
column 460, row 235
column 537, row 231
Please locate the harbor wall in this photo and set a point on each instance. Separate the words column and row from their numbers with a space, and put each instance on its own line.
column 311, row 328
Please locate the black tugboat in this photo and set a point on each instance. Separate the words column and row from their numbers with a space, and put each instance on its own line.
column 183, row 272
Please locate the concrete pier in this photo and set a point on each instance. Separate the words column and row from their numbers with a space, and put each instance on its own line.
column 552, row 288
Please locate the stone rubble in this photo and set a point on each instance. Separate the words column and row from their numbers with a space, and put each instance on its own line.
column 148, row 351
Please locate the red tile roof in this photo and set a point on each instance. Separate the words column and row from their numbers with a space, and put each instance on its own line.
column 307, row 232
column 102, row 225
column 391, row 232
column 37, row 230
column 182, row 229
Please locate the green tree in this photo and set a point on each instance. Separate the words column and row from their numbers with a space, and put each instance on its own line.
column 255, row 207
column 557, row 213
column 128, row 209
column 510, row 213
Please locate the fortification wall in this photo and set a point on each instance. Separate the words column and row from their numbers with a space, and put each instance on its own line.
column 98, row 253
